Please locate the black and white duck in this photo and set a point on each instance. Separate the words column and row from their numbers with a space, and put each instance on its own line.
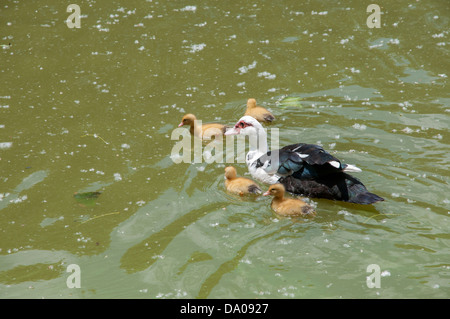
column 305, row 169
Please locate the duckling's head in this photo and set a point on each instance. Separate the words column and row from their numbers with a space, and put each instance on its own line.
column 276, row 190
column 251, row 103
column 230, row 172
column 188, row 119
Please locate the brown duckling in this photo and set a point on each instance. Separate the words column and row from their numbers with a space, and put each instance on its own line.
column 258, row 112
column 239, row 185
column 205, row 130
column 288, row 206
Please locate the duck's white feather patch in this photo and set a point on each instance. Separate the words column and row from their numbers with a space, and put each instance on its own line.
column 334, row 164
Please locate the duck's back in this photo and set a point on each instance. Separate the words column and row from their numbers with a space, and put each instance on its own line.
column 242, row 185
column 213, row 129
column 260, row 114
column 292, row 207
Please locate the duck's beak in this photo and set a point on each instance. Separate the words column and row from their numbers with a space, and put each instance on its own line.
column 266, row 193
column 233, row 131
column 181, row 124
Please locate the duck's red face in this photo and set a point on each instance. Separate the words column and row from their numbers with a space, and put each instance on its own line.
column 242, row 124
column 238, row 127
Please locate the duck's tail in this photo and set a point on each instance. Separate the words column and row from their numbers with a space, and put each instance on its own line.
column 254, row 189
column 365, row 198
column 357, row 193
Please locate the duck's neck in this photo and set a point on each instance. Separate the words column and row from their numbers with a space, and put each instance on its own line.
column 257, row 147
column 278, row 198
column 231, row 177
column 258, row 143
column 196, row 129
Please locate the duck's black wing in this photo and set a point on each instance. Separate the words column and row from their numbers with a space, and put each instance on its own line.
column 301, row 160
column 339, row 186
column 309, row 170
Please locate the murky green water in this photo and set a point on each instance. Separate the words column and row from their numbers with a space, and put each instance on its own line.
column 92, row 109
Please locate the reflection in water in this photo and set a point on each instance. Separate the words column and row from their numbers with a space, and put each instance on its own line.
column 195, row 258
column 30, row 273
column 144, row 254
column 228, row 266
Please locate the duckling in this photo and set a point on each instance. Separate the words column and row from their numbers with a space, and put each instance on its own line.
column 239, row 185
column 258, row 112
column 288, row 206
column 205, row 130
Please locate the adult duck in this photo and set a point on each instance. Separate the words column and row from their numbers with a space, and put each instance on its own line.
column 258, row 112
column 239, row 185
column 288, row 207
column 305, row 169
column 202, row 130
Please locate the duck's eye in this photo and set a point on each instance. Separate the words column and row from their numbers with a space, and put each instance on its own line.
column 242, row 124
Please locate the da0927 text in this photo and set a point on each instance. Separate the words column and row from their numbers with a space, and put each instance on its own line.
column 245, row 308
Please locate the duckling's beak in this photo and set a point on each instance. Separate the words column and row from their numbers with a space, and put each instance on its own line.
column 233, row 131
column 181, row 124
column 266, row 193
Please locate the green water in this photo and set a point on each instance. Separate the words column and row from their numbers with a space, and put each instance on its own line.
column 92, row 109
